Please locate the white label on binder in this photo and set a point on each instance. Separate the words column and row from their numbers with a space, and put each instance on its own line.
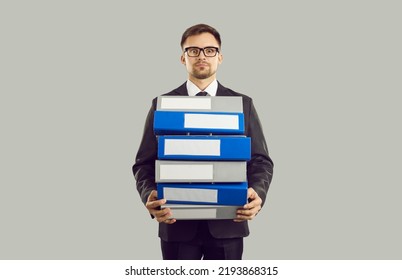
column 205, row 213
column 186, row 103
column 214, row 121
column 186, row 172
column 191, row 195
column 196, row 147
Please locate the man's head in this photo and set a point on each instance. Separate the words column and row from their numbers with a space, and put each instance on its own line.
column 199, row 29
column 201, row 45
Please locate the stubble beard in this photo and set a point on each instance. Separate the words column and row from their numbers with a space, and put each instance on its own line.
column 202, row 74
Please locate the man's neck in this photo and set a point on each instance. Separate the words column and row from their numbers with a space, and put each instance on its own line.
column 202, row 84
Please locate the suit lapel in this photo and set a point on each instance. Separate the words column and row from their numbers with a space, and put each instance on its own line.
column 181, row 90
column 222, row 91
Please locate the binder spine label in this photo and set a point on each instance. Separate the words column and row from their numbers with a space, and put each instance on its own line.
column 212, row 121
column 186, row 172
column 185, row 103
column 196, row 147
column 191, row 195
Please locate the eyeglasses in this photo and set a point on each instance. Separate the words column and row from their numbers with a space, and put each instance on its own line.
column 195, row 51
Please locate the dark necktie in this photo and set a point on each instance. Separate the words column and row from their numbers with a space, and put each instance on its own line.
column 202, row 93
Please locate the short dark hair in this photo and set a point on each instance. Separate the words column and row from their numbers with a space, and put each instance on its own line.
column 199, row 29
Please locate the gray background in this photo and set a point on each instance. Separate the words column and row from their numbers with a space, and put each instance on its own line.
column 78, row 77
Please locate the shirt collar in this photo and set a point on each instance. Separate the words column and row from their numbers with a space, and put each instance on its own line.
column 192, row 89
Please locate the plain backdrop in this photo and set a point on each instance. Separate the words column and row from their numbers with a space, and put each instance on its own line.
column 77, row 79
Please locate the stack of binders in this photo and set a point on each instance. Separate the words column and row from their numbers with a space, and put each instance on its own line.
column 201, row 168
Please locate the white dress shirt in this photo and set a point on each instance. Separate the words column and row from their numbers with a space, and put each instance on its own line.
column 192, row 89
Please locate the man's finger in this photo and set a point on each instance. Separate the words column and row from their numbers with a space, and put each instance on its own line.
column 253, row 204
column 170, row 221
column 155, row 203
column 153, row 196
column 162, row 215
column 251, row 193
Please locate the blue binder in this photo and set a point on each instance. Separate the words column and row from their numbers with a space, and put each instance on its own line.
column 204, row 147
column 174, row 122
column 212, row 194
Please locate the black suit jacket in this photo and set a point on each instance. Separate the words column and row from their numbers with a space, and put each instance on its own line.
column 259, row 171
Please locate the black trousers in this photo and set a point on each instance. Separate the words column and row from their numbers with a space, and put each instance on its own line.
column 203, row 246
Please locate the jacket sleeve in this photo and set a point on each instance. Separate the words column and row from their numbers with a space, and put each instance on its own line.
column 144, row 166
column 260, row 166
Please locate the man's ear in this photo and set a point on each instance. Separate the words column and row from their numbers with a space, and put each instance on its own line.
column 220, row 58
column 183, row 59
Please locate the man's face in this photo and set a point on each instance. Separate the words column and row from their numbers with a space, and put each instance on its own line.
column 201, row 67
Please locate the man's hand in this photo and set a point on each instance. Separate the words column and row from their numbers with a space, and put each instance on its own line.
column 251, row 209
column 161, row 215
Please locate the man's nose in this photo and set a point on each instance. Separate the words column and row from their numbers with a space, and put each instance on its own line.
column 202, row 55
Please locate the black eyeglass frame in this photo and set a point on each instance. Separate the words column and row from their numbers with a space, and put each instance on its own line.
column 203, row 50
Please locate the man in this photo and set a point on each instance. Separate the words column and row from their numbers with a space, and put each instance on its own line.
column 206, row 239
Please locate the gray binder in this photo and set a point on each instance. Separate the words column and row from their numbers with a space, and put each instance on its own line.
column 201, row 212
column 228, row 104
column 170, row 171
